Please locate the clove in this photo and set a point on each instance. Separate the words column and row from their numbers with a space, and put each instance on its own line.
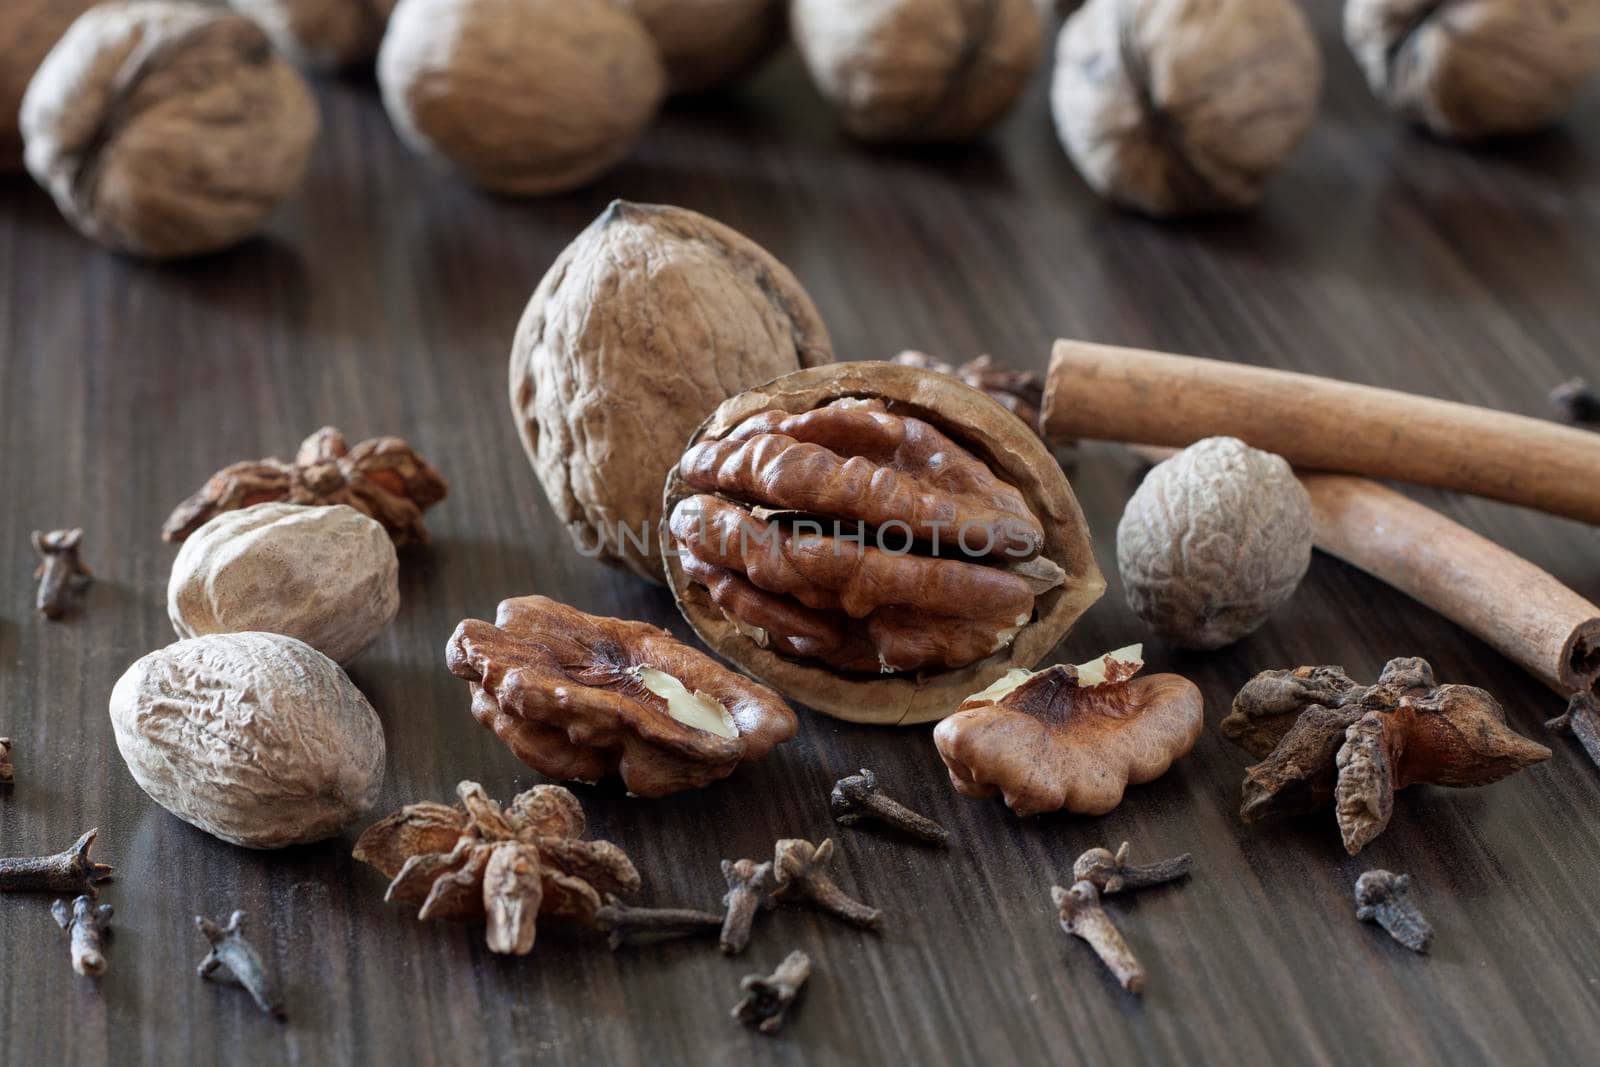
column 87, row 926
column 1576, row 402
column 750, row 889
column 1112, row 873
column 1083, row 917
column 768, row 998
column 65, row 872
column 1385, row 898
column 7, row 772
column 642, row 926
column 59, row 571
column 234, row 959
column 856, row 799
column 1582, row 720
column 799, row 867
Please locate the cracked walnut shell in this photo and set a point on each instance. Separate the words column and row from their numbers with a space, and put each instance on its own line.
column 877, row 541
column 323, row 34
column 580, row 697
column 28, row 30
column 166, row 129
column 710, row 43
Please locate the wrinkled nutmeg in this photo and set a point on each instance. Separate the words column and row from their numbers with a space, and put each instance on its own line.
column 709, row 43
column 323, row 34
column 876, row 541
column 1471, row 69
column 647, row 321
column 166, row 129
column 257, row 739
column 28, row 30
column 525, row 97
column 918, row 70
column 1213, row 542
column 1173, row 107
column 327, row 576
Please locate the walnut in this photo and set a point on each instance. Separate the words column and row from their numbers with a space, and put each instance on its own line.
column 257, row 739
column 1213, row 542
column 648, row 321
column 1172, row 107
column 876, row 541
column 709, row 43
column 1071, row 738
column 580, row 697
column 28, row 30
column 1471, row 69
column 526, row 97
column 327, row 576
column 510, row 867
column 167, row 129
column 919, row 70
column 324, row 34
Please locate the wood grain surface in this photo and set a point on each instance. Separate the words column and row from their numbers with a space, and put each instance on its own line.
column 383, row 301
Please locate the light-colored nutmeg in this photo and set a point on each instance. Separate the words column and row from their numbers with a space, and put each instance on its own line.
column 1471, row 69
column 526, row 97
column 709, row 43
column 328, row 576
column 322, row 34
column 1213, row 542
column 919, row 70
column 28, row 30
column 257, row 739
column 1177, row 107
column 167, row 129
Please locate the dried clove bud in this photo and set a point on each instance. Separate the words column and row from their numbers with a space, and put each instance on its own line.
column 65, row 872
column 1083, row 917
column 1582, row 720
column 1112, row 873
column 1576, row 402
column 856, row 799
column 768, row 998
column 750, row 889
column 642, row 926
column 1385, row 898
column 60, row 570
column 88, row 926
column 7, row 772
column 799, row 867
column 234, row 959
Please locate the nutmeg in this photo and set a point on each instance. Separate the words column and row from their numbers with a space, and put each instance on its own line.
column 323, row 34
column 28, row 30
column 918, row 70
column 167, row 129
column 709, row 43
column 647, row 321
column 525, row 97
column 1173, row 107
column 1472, row 69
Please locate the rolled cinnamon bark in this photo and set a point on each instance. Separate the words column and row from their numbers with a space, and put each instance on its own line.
column 1126, row 394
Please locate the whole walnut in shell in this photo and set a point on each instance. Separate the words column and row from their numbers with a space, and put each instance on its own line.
column 647, row 321
column 525, row 97
column 1213, row 542
column 1173, row 107
column 324, row 34
column 1471, row 69
column 709, row 43
column 28, row 30
column 257, row 739
column 328, row 576
column 167, row 129
column 919, row 70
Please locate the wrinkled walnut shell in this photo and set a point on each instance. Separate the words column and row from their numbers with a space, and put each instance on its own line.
column 28, row 30
column 709, row 43
column 986, row 430
column 322, row 34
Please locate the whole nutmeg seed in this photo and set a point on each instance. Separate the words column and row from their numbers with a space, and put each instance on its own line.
column 1175, row 107
column 167, row 129
column 709, row 43
column 647, row 321
column 1213, row 542
column 322, row 34
column 28, row 30
column 1470, row 69
column 919, row 70
column 257, row 739
column 328, row 576
column 525, row 97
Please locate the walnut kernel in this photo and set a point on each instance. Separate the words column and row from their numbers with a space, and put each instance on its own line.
column 709, row 43
column 323, row 34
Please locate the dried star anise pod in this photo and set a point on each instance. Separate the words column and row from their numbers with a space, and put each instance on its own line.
column 383, row 478
column 1020, row 392
column 510, row 866
column 1324, row 739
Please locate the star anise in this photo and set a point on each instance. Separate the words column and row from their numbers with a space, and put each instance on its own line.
column 383, row 478
column 510, row 867
column 1018, row 391
column 1323, row 739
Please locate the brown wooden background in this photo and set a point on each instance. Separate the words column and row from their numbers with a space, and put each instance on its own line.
column 383, row 301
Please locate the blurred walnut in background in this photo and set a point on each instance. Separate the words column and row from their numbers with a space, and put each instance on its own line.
column 28, row 30
column 709, row 43
column 322, row 34
column 1470, row 69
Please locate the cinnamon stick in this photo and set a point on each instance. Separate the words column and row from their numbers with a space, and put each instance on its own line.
column 1126, row 394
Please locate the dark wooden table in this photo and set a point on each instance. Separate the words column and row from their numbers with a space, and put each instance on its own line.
column 383, row 301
